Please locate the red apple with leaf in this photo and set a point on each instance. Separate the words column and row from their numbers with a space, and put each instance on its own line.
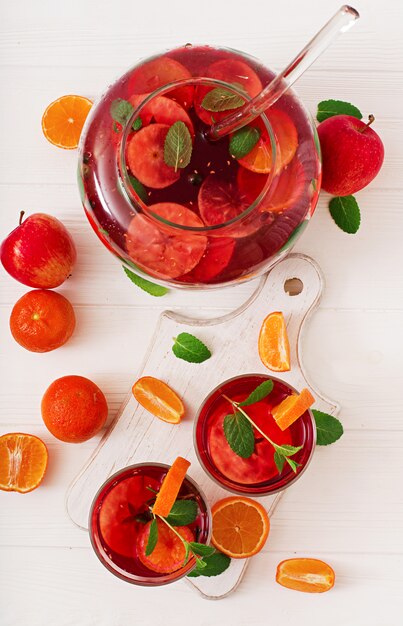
column 39, row 253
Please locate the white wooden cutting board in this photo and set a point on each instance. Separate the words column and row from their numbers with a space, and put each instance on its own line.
column 136, row 436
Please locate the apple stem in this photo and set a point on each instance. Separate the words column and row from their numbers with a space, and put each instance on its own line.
column 22, row 213
column 371, row 118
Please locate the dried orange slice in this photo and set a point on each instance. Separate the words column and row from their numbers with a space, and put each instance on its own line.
column 23, row 461
column 274, row 347
column 64, row 119
column 170, row 487
column 240, row 526
column 309, row 575
column 291, row 408
column 158, row 398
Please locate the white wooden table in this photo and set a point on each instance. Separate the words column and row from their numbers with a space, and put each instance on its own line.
column 348, row 509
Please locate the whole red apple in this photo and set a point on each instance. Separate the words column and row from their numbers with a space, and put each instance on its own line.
column 39, row 252
column 352, row 154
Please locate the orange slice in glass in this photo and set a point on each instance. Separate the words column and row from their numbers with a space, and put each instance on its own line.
column 23, row 462
column 159, row 399
column 169, row 553
column 64, row 119
column 240, row 526
column 309, row 575
column 170, row 487
column 274, row 347
column 291, row 408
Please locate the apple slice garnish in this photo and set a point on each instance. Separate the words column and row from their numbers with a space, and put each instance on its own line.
column 215, row 259
column 163, row 251
column 145, row 157
column 162, row 110
column 220, row 200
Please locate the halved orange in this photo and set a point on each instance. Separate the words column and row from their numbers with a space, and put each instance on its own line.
column 158, row 398
column 291, row 408
column 240, row 526
column 309, row 575
column 23, row 462
column 64, row 119
column 274, row 347
column 170, row 487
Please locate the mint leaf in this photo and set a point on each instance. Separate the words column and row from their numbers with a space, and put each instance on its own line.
column 152, row 538
column 328, row 428
column 215, row 564
column 292, row 464
column 137, row 124
column 115, row 127
column 178, row 146
column 279, row 460
column 121, row 110
column 259, row 393
column 183, row 512
column 187, row 552
column 190, row 348
column 201, row 549
column 329, row 108
column 243, row 141
column 154, row 290
column 103, row 231
column 346, row 213
column 221, row 99
column 286, row 450
column 200, row 564
column 138, row 188
column 239, row 434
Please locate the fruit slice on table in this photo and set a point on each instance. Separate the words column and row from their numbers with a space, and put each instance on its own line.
column 163, row 110
column 309, row 575
column 42, row 320
column 170, row 487
column 259, row 159
column 220, row 200
column 287, row 187
column 291, row 408
column 159, row 72
column 274, row 347
column 64, row 119
column 163, row 251
column 215, row 259
column 145, row 157
column 169, row 553
column 230, row 71
column 159, row 399
column 74, row 409
column 23, row 462
column 240, row 526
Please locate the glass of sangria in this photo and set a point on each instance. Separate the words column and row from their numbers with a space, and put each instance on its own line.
column 257, row 475
column 119, row 525
column 180, row 208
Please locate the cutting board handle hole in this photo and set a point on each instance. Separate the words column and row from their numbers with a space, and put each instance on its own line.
column 293, row 286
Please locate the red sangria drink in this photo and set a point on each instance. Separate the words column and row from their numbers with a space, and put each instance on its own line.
column 178, row 207
column 120, row 526
column 239, row 443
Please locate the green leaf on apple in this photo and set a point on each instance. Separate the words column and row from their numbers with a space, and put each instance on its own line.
column 346, row 213
column 330, row 108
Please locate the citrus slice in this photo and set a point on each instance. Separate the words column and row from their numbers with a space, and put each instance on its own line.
column 23, row 462
column 159, row 72
column 163, row 110
column 274, row 347
column 240, row 526
column 162, row 251
column 291, row 408
column 64, row 119
column 170, row 487
column 159, row 399
column 309, row 575
column 169, row 553
column 145, row 157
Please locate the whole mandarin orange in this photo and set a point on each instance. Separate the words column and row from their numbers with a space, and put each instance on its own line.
column 74, row 409
column 42, row 320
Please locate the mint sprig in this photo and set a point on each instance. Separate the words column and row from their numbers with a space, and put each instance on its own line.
column 152, row 538
column 239, row 434
column 215, row 564
column 346, row 213
column 190, row 348
column 258, row 394
column 330, row 108
column 328, row 428
column 243, row 141
column 121, row 110
column 221, row 99
column 146, row 285
column 183, row 512
column 178, row 146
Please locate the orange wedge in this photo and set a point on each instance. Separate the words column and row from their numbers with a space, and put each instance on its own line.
column 170, row 487
column 274, row 347
column 64, row 119
column 291, row 408
column 309, row 575
column 158, row 398
column 240, row 526
column 23, row 461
